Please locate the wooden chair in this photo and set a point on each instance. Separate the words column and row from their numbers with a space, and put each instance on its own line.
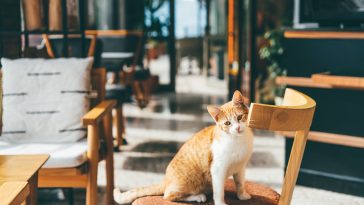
column 296, row 115
column 14, row 193
column 124, row 47
column 99, row 147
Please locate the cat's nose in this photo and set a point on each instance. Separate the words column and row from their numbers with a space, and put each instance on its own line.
column 238, row 129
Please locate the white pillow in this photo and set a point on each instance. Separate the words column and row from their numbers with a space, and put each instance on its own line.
column 44, row 99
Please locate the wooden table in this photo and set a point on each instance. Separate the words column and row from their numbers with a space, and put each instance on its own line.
column 22, row 168
column 14, row 193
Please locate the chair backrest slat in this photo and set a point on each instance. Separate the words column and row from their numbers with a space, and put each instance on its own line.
column 295, row 114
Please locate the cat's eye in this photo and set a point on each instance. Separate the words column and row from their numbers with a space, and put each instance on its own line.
column 240, row 117
column 227, row 123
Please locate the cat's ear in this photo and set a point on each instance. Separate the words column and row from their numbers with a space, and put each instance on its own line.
column 214, row 112
column 239, row 100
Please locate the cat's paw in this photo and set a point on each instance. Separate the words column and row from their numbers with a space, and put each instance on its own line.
column 198, row 198
column 201, row 198
column 244, row 196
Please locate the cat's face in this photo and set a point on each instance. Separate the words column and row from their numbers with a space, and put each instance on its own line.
column 231, row 117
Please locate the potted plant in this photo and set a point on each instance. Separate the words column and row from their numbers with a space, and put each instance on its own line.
column 272, row 53
column 155, row 27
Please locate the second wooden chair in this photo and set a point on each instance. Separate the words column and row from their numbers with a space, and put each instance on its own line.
column 294, row 115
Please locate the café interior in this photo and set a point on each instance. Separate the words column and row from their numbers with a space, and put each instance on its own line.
column 97, row 97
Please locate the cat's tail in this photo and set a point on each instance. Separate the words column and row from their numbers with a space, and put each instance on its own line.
column 129, row 196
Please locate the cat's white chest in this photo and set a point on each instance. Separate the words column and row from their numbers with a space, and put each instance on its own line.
column 231, row 152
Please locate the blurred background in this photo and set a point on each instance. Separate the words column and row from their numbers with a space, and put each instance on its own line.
column 166, row 60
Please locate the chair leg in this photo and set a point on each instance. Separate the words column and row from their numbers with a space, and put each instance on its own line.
column 70, row 195
column 110, row 179
column 138, row 92
column 119, row 125
column 146, row 88
column 93, row 156
column 91, row 189
column 32, row 199
column 122, row 119
column 109, row 160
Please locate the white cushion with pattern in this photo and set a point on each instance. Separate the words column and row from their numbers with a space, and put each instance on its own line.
column 44, row 99
column 62, row 155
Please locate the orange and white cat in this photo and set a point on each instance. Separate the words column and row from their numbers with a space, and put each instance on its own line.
column 206, row 160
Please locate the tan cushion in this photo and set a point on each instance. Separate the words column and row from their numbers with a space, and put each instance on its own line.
column 261, row 195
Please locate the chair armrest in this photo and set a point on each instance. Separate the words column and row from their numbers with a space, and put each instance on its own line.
column 91, row 120
column 14, row 192
column 96, row 114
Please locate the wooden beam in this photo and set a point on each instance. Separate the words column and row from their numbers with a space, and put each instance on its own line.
column 331, row 138
column 253, row 9
column 324, row 34
column 74, row 171
column 301, row 82
column 349, row 82
column 323, row 81
column 231, row 33
column 79, row 181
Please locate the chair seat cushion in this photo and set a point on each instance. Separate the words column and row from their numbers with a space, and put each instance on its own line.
column 261, row 195
column 62, row 155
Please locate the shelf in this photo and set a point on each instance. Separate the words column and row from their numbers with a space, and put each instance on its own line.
column 301, row 82
column 324, row 81
column 331, row 138
column 349, row 82
column 324, row 34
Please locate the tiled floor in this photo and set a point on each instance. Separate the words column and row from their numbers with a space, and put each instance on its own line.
column 156, row 132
